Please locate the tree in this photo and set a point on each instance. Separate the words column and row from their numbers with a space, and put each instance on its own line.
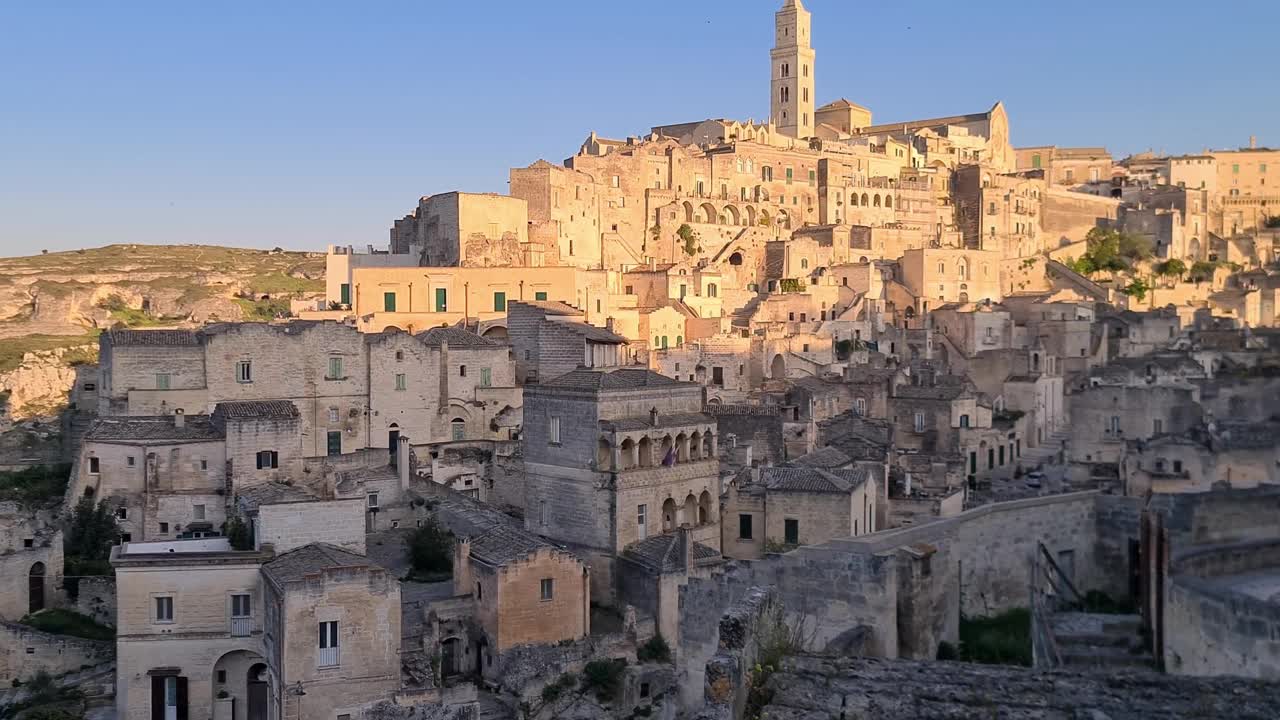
column 1201, row 271
column 1172, row 268
column 87, row 545
column 1104, row 249
column 1137, row 289
column 1272, row 221
column 1135, row 247
column 431, row 548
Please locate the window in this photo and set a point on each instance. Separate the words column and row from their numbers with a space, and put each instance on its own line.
column 335, row 369
column 328, row 655
column 744, row 526
column 164, row 528
column 122, row 513
column 458, row 429
column 129, row 461
column 268, row 459
column 462, row 371
column 1157, row 426
column 541, row 295
column 197, row 512
column 791, row 531
column 400, row 381
column 964, row 421
column 442, row 300
column 1177, row 466
column 164, row 609
column 90, row 387
column 861, row 405
column 244, row 371
column 553, row 430
column 93, row 465
column 162, row 381
column 813, row 177
column 389, row 301
column 344, row 294
column 240, row 605
column 789, row 175
column 333, row 414
column 615, row 181
column 547, row 589
column 919, row 422
column 479, row 591
column 499, row 302
column 486, row 377
column 371, row 501
column 1035, row 161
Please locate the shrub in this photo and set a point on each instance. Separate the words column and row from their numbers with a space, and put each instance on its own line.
column 1136, row 289
column 1003, row 639
column 1201, row 271
column 238, row 533
column 947, row 651
column 35, row 486
column 552, row 692
column 655, row 650
column 431, row 548
column 603, row 677
column 1172, row 268
column 689, row 238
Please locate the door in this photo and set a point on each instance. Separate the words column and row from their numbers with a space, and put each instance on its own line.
column 256, row 707
column 449, row 657
column 393, row 442
column 35, row 588
column 335, row 442
column 168, row 698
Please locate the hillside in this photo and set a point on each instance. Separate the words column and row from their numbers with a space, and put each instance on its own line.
column 54, row 305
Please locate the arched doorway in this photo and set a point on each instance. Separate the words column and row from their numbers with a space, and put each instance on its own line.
column 704, row 508
column 258, row 685
column 393, row 443
column 668, row 515
column 450, row 657
column 778, row 368
column 35, row 588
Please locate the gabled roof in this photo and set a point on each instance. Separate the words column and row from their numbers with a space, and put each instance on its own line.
column 454, row 337
column 841, row 104
column 256, row 410
column 662, row 552
column 153, row 429
column 311, row 560
column 503, row 544
column 824, row 458
column 271, row 493
column 622, row 379
column 124, row 338
column 811, row 480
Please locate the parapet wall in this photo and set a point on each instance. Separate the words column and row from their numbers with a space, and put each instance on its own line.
column 899, row 593
column 1212, row 627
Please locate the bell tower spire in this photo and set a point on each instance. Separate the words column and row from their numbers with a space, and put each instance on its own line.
column 791, row 72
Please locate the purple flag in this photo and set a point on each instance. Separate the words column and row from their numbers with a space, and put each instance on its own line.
column 670, row 458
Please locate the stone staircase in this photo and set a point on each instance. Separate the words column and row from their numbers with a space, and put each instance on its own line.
column 1046, row 452
column 1095, row 641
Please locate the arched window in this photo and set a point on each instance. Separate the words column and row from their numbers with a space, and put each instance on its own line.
column 644, row 452
column 711, row 290
column 704, row 508
column 668, row 515
column 853, row 199
column 875, row 200
column 888, row 201
column 942, row 268
column 458, row 429
column 462, row 371
column 627, row 457
column 804, row 263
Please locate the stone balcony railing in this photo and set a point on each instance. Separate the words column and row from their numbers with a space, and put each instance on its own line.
column 663, row 474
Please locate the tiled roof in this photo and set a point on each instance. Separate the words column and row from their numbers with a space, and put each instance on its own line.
column 812, row 480
column 311, row 560
column 664, row 420
column 152, row 429
column 824, row 457
column 552, row 307
column 256, row 410
column 662, row 552
column 455, row 337
column 929, row 392
column 622, row 379
column 595, row 334
column 121, row 338
column 503, row 544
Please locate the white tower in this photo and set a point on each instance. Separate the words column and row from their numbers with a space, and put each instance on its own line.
column 791, row 86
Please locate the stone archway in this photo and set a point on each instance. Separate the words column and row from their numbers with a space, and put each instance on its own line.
column 732, row 216
column 688, row 211
column 778, row 368
column 35, row 588
column 709, row 214
column 243, row 681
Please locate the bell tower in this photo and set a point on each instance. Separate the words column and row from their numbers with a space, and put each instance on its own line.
column 791, row 72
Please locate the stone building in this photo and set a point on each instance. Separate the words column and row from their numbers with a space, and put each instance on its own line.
column 164, row 477
column 771, row 508
column 459, row 228
column 653, row 464
column 298, row 628
column 550, row 339
column 31, row 561
column 1067, row 166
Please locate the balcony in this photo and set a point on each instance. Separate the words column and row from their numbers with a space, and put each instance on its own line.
column 241, row 626
column 327, row 657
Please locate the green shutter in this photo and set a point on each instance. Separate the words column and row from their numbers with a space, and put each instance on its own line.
column 344, row 294
column 540, row 296
column 389, row 302
column 499, row 302
column 442, row 300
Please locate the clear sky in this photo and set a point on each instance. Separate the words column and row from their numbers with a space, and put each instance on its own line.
column 303, row 124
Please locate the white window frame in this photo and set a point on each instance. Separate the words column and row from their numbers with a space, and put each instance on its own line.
column 546, row 589
column 642, row 521
column 161, row 603
column 244, row 371
column 553, row 430
column 328, row 652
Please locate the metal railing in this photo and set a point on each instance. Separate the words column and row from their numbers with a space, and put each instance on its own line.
column 241, row 626
column 327, row 657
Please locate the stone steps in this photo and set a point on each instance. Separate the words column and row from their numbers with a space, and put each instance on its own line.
column 1104, row 656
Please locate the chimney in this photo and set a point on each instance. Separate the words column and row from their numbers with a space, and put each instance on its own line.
column 1253, row 142
column 179, row 418
column 653, row 416
column 685, row 547
column 608, row 323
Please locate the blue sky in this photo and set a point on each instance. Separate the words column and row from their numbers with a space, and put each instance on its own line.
column 299, row 125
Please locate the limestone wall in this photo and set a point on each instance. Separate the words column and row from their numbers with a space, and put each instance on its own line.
column 1211, row 627
column 26, row 651
column 96, row 597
